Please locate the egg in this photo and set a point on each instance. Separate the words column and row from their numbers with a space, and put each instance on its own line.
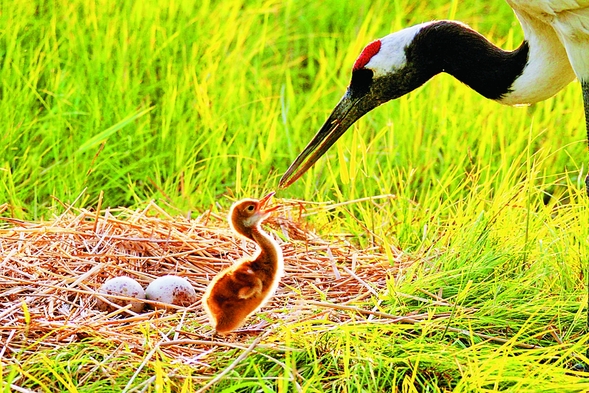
column 121, row 286
column 171, row 290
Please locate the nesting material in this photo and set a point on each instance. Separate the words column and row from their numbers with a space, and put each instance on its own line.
column 51, row 272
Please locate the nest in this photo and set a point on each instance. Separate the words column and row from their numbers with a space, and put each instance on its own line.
column 50, row 272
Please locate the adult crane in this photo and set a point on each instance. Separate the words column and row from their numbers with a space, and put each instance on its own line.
column 555, row 50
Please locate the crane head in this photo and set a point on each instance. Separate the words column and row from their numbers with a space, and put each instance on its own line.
column 385, row 70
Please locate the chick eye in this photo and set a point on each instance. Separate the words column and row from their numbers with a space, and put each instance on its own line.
column 250, row 208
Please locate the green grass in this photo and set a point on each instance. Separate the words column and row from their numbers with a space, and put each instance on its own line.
column 195, row 103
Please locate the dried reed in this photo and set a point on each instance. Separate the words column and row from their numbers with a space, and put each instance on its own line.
column 50, row 272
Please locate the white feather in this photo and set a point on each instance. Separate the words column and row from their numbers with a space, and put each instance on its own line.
column 391, row 56
column 558, row 35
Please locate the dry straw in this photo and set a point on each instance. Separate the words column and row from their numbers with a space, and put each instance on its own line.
column 50, row 272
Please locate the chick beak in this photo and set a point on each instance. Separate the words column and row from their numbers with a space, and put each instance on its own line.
column 262, row 209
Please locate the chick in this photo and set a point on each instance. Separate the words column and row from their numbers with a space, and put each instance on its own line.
column 240, row 290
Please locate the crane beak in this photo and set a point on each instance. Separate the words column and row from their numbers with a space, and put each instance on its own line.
column 346, row 112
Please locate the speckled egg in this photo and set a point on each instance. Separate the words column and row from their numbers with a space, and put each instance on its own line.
column 121, row 286
column 171, row 290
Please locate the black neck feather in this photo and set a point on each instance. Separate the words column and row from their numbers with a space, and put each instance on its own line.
column 453, row 48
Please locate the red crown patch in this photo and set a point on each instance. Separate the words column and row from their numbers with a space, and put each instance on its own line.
column 371, row 49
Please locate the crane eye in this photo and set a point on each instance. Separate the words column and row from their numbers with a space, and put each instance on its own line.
column 250, row 208
column 361, row 81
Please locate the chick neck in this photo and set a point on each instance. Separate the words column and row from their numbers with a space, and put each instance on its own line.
column 269, row 255
column 268, row 258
